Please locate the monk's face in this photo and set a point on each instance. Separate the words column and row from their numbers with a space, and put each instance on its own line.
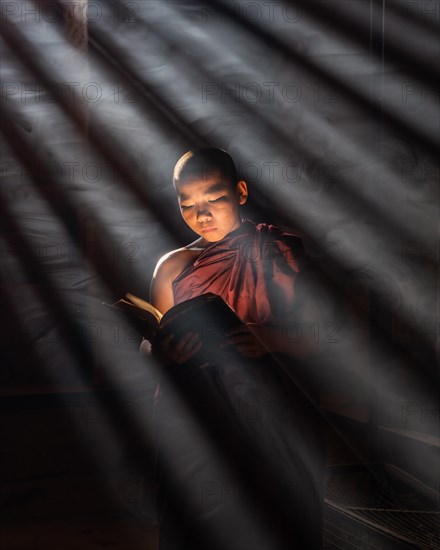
column 210, row 205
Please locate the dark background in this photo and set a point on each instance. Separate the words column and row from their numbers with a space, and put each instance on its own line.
column 330, row 110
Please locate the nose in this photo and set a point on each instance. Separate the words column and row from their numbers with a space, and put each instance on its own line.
column 203, row 214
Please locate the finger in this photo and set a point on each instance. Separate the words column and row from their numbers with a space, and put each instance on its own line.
column 165, row 341
column 234, row 341
column 191, row 343
column 187, row 355
column 183, row 341
column 145, row 347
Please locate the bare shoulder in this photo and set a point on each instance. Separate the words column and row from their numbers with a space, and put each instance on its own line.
column 167, row 269
column 172, row 263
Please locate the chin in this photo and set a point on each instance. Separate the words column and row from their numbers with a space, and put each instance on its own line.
column 211, row 238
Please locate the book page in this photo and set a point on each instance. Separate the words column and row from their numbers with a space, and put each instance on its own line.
column 143, row 304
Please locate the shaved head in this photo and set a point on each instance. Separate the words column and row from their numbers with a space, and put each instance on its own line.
column 203, row 163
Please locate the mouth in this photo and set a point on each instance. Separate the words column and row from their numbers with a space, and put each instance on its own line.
column 207, row 229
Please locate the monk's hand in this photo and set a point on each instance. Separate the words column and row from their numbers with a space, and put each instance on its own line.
column 145, row 347
column 171, row 349
column 245, row 339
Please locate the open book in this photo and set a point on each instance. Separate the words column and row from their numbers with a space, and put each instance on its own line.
column 208, row 315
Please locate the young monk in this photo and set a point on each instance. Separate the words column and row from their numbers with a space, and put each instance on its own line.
column 254, row 268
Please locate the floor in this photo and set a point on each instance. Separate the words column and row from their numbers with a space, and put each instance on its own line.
column 129, row 534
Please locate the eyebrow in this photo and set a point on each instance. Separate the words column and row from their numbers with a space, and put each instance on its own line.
column 212, row 189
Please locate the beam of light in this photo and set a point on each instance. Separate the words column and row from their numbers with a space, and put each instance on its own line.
column 390, row 281
column 351, row 88
column 247, row 153
column 67, row 198
column 362, row 242
column 359, row 20
column 27, row 154
column 324, row 67
column 347, row 150
column 424, row 16
column 102, row 35
column 388, row 389
column 26, row 48
column 115, row 382
column 71, row 353
column 140, row 422
column 352, row 154
column 109, row 370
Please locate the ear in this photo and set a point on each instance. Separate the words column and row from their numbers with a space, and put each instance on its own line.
column 242, row 191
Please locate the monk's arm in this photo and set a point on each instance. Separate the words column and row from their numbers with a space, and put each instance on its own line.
column 161, row 288
column 169, row 348
column 161, row 292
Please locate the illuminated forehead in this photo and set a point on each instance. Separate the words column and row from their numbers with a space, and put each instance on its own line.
column 200, row 187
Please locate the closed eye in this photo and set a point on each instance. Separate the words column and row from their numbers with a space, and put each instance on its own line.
column 186, row 207
column 217, row 199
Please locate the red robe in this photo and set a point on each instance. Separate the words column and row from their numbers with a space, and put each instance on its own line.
column 253, row 269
